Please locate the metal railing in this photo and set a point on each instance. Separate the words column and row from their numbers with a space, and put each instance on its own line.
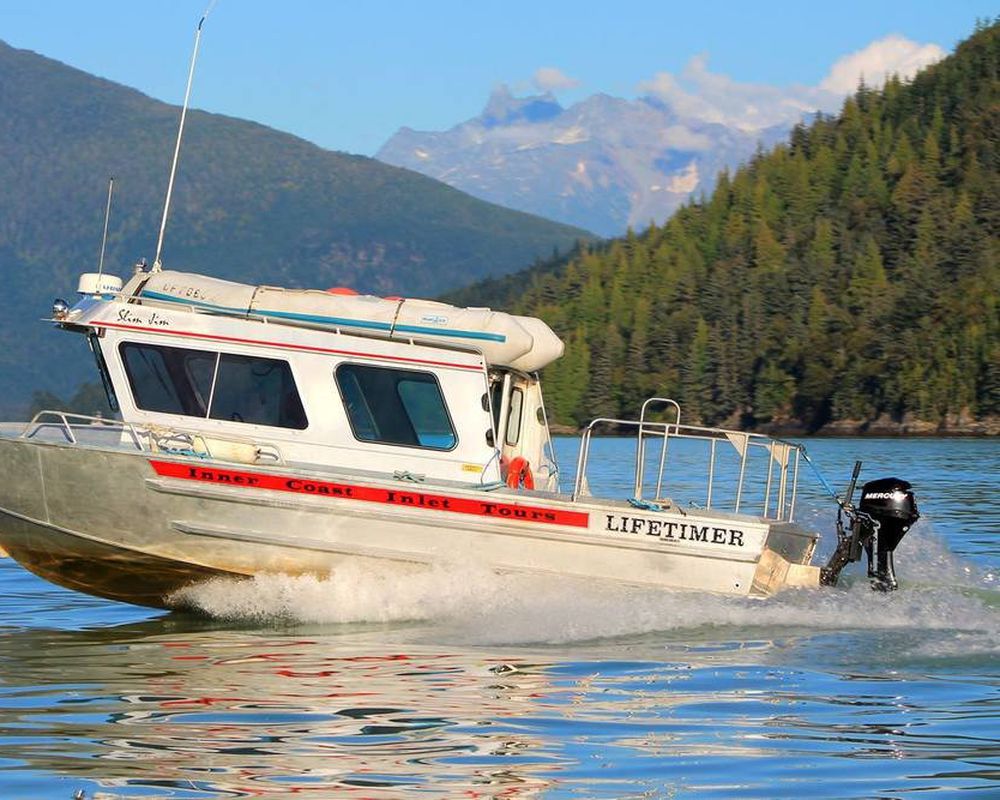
column 60, row 420
column 152, row 438
column 640, row 450
column 773, row 493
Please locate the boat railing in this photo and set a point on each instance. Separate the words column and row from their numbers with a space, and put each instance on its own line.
column 151, row 438
column 59, row 421
column 744, row 485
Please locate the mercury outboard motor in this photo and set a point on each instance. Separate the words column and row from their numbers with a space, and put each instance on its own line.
column 886, row 512
column 890, row 504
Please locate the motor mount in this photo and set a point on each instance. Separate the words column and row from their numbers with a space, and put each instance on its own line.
column 885, row 513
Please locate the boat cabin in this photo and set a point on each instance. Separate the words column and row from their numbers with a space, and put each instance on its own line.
column 265, row 375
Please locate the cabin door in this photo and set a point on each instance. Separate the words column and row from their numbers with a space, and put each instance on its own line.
column 522, row 433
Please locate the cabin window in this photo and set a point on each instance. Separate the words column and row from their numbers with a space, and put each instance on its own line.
column 175, row 380
column 496, row 398
column 102, row 369
column 171, row 380
column 260, row 391
column 513, row 433
column 395, row 406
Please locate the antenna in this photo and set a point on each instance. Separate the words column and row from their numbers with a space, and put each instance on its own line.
column 157, row 263
column 107, row 217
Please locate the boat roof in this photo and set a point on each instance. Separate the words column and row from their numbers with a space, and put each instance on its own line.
column 524, row 343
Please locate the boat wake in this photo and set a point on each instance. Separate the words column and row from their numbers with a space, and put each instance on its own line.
column 945, row 606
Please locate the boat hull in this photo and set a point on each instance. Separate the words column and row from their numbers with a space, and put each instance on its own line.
column 130, row 526
column 84, row 565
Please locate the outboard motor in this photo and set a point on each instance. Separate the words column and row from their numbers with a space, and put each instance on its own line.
column 891, row 510
column 886, row 512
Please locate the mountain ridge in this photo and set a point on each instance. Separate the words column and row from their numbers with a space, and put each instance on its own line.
column 845, row 281
column 604, row 163
column 250, row 203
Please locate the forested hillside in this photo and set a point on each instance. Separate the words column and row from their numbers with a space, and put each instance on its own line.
column 845, row 280
column 250, row 203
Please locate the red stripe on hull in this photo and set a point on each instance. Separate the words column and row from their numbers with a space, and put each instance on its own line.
column 514, row 512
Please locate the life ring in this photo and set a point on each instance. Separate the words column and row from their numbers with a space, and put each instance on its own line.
column 519, row 474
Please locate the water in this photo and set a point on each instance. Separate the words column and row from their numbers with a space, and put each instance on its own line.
column 472, row 685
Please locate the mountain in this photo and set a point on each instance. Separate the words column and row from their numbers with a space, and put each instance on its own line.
column 249, row 203
column 845, row 281
column 603, row 164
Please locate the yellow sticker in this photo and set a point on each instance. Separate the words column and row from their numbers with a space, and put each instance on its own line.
column 471, row 468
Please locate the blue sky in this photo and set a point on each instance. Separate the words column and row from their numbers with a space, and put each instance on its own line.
column 346, row 75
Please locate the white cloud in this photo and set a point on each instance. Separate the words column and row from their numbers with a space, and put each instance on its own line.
column 551, row 79
column 879, row 60
column 699, row 94
column 680, row 137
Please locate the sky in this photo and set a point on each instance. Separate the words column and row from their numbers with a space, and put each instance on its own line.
column 347, row 74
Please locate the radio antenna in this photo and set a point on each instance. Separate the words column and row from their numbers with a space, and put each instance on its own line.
column 107, row 218
column 157, row 263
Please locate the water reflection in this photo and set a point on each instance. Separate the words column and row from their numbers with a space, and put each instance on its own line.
column 177, row 707
column 196, row 709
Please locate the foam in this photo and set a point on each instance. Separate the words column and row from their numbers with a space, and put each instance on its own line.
column 470, row 604
column 349, row 594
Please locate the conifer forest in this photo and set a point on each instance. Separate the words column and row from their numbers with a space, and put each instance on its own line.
column 846, row 278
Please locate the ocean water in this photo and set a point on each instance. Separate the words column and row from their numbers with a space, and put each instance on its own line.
column 461, row 683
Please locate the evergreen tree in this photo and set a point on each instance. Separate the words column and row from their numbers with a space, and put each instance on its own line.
column 849, row 274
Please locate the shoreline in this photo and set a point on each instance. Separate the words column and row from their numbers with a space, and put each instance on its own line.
column 881, row 428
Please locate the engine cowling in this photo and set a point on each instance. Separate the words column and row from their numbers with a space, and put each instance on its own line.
column 877, row 524
column 890, row 504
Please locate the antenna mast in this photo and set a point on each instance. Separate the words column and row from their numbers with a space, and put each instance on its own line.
column 157, row 263
column 107, row 218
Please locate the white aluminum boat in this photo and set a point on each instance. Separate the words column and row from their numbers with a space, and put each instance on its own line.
column 292, row 431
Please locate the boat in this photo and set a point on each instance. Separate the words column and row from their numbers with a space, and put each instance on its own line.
column 261, row 429
column 266, row 430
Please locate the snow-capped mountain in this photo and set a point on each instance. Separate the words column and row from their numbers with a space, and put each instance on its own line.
column 602, row 164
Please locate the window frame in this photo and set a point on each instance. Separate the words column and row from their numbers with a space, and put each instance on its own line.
column 93, row 339
column 209, row 401
column 515, row 391
column 404, row 372
column 236, row 357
